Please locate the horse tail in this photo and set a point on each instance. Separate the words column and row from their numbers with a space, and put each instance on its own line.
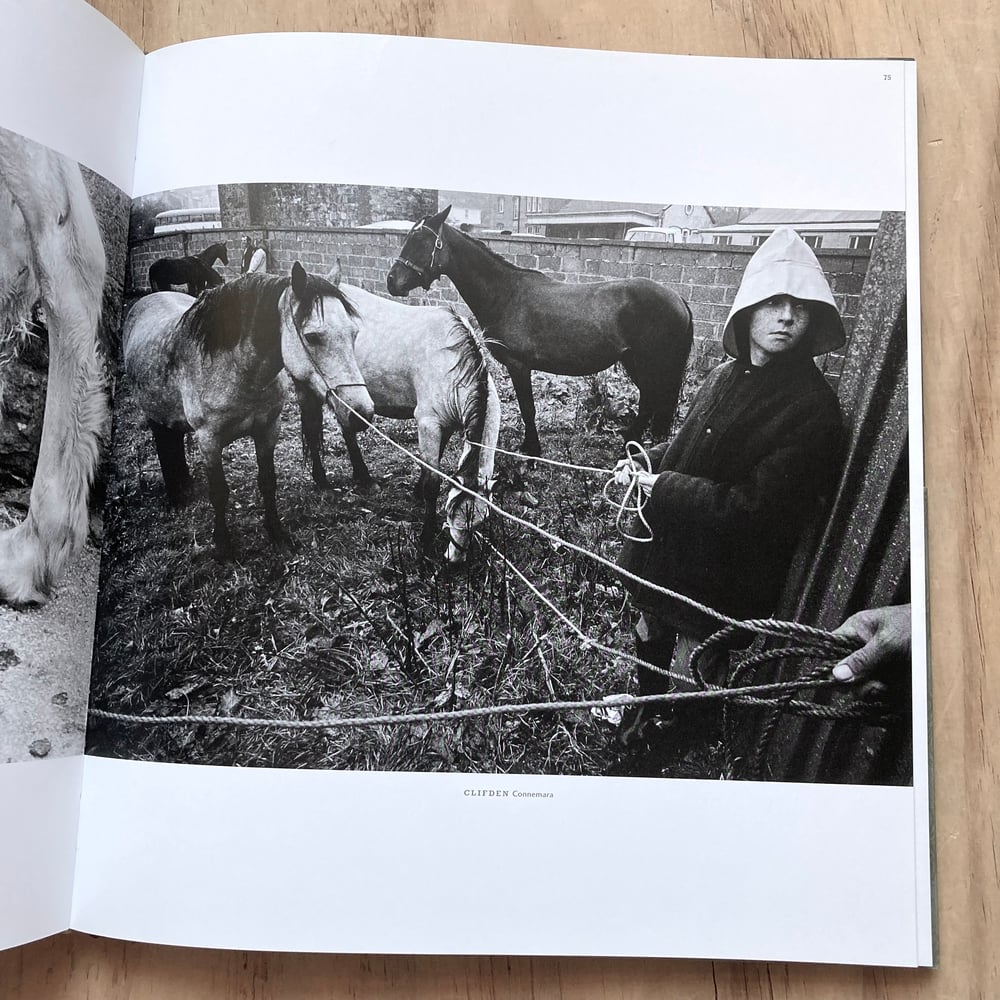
column 674, row 360
column 154, row 272
column 471, row 384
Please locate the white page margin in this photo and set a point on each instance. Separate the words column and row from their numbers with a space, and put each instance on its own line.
column 305, row 860
column 525, row 119
column 38, row 827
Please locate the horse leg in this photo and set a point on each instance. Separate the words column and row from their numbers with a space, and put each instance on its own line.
column 363, row 482
column 264, row 442
column 311, row 416
column 218, row 493
column 431, row 447
column 640, row 378
column 69, row 263
column 173, row 463
column 521, row 379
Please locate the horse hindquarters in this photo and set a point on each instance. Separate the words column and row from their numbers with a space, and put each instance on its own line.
column 656, row 363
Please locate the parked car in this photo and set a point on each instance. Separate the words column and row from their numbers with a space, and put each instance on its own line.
column 655, row 234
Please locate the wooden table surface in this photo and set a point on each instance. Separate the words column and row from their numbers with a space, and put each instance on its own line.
column 957, row 46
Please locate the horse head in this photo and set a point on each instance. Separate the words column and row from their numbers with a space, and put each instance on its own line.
column 464, row 513
column 318, row 330
column 423, row 257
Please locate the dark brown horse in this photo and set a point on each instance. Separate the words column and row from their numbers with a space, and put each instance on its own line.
column 531, row 321
column 195, row 272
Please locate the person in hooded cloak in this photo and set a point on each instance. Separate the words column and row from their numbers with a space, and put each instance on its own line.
column 731, row 495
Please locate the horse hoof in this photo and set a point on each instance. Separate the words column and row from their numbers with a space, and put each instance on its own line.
column 225, row 552
column 21, row 564
column 283, row 541
column 531, row 448
column 367, row 487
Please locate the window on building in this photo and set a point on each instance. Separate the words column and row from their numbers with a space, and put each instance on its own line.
column 756, row 241
column 722, row 240
column 861, row 242
column 499, row 206
column 813, row 241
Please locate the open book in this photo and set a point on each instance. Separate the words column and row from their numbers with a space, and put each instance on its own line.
column 309, row 677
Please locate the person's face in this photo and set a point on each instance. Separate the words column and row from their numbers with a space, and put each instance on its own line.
column 777, row 326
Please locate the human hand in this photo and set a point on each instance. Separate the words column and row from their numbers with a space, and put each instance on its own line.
column 623, row 472
column 626, row 471
column 885, row 633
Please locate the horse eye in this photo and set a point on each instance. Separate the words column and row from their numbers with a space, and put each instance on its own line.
column 313, row 337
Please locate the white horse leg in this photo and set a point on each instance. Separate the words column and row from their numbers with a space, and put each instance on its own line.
column 431, row 447
column 69, row 263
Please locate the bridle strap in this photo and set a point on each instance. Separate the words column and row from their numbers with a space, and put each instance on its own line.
column 331, row 391
column 424, row 272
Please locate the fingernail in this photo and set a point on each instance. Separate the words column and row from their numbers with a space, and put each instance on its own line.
column 842, row 672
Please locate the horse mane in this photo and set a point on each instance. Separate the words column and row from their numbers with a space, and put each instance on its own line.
column 216, row 251
column 490, row 252
column 247, row 309
column 470, row 372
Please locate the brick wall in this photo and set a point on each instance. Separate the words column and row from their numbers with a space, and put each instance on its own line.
column 707, row 276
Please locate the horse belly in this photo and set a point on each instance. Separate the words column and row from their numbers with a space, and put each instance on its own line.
column 231, row 408
column 565, row 330
column 389, row 380
column 571, row 352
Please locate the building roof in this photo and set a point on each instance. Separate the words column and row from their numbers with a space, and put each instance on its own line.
column 828, row 220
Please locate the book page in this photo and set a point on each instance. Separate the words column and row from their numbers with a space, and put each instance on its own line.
column 337, row 707
column 67, row 149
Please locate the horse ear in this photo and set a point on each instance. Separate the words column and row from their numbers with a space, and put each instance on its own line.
column 438, row 219
column 299, row 280
column 334, row 276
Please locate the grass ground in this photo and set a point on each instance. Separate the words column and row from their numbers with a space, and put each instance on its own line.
column 351, row 624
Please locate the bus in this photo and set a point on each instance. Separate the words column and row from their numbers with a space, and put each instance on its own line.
column 186, row 220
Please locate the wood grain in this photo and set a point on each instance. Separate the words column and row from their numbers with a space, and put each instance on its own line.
column 958, row 51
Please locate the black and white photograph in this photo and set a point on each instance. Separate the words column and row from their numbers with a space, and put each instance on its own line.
column 409, row 479
column 62, row 266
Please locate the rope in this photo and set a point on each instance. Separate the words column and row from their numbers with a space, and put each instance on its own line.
column 496, row 449
column 408, row 718
column 634, row 454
